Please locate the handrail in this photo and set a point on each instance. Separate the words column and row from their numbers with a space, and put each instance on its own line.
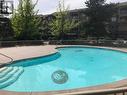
column 11, row 59
column 59, row 42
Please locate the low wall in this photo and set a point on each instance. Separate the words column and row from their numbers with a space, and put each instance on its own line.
column 20, row 43
column 109, row 43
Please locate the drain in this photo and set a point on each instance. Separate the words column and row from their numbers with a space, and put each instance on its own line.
column 59, row 77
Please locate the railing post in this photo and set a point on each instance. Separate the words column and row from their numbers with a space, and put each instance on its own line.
column 0, row 44
column 123, row 93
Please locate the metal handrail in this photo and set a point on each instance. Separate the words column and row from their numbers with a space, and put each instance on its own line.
column 11, row 59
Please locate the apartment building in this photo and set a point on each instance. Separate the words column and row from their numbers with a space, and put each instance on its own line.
column 122, row 20
column 118, row 26
column 77, row 15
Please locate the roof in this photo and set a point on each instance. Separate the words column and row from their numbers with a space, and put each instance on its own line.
column 123, row 4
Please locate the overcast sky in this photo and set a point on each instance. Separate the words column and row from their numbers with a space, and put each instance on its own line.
column 49, row 6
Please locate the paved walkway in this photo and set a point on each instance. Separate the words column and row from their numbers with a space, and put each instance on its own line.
column 18, row 53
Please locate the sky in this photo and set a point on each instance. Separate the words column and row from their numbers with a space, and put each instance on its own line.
column 50, row 6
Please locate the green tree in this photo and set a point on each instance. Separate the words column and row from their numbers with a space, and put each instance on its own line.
column 45, row 29
column 25, row 21
column 6, row 31
column 99, row 14
column 61, row 24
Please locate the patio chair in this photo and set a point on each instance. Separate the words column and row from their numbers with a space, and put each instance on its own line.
column 120, row 42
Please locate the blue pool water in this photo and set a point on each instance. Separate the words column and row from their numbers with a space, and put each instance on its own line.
column 85, row 67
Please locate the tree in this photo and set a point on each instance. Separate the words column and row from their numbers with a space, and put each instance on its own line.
column 99, row 15
column 45, row 29
column 62, row 24
column 25, row 21
column 6, row 31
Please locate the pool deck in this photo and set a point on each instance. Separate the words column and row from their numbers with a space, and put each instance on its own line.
column 25, row 52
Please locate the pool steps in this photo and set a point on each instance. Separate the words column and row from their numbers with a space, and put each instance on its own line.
column 2, row 69
column 9, row 75
column 6, row 71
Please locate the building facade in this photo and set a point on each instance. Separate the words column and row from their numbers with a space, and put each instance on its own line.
column 122, row 20
column 118, row 26
column 77, row 15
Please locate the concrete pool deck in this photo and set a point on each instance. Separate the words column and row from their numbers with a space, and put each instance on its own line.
column 25, row 52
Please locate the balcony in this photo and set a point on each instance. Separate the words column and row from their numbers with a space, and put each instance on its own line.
column 123, row 12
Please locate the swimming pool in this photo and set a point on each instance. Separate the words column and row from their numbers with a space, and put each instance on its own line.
column 84, row 66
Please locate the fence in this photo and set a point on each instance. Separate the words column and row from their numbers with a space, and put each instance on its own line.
column 20, row 43
column 110, row 43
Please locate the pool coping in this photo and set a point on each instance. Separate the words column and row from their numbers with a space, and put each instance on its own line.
column 84, row 90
